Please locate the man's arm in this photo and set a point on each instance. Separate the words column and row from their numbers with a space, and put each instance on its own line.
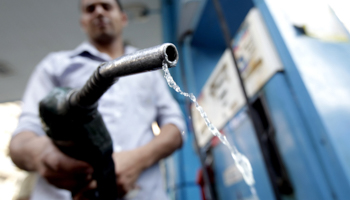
column 23, row 148
column 37, row 153
column 129, row 164
column 161, row 146
column 30, row 149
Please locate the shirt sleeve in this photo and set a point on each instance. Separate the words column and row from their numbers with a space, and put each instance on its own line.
column 40, row 84
column 168, row 110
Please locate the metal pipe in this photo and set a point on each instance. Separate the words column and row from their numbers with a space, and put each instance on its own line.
column 107, row 74
column 141, row 61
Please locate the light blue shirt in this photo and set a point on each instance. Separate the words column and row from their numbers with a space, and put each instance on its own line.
column 128, row 108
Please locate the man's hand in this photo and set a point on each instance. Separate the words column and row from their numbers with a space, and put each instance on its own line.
column 129, row 165
column 37, row 153
column 60, row 170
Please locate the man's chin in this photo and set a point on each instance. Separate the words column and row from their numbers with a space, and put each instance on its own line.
column 104, row 39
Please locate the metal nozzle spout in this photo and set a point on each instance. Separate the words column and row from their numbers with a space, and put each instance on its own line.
column 141, row 61
column 149, row 59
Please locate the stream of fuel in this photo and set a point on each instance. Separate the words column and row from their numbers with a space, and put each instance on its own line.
column 241, row 161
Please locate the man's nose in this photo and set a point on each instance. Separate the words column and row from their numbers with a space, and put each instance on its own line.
column 99, row 10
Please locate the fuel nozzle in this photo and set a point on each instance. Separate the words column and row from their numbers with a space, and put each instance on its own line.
column 72, row 121
column 108, row 73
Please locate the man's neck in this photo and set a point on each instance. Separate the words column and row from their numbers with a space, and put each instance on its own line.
column 114, row 49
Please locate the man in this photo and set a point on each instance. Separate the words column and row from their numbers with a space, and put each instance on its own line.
column 128, row 109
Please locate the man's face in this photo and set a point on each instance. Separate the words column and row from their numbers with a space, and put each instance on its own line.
column 102, row 20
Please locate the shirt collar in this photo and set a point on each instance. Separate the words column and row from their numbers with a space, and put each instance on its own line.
column 87, row 50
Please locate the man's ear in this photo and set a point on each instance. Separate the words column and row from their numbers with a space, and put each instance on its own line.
column 125, row 19
column 82, row 25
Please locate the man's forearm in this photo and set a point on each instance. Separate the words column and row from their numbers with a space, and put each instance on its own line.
column 24, row 147
column 161, row 146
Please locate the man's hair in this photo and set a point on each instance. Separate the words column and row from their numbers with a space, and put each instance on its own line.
column 119, row 4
